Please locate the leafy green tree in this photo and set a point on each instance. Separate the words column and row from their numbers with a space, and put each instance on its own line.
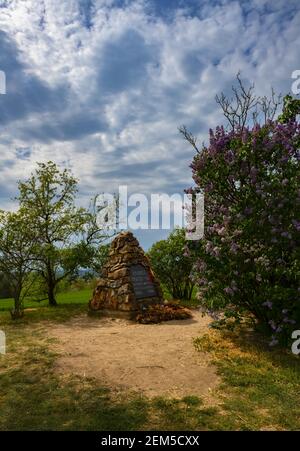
column 95, row 256
column 172, row 265
column 93, row 244
column 17, row 250
column 48, row 198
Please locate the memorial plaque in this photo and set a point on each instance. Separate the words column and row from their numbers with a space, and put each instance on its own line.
column 142, row 282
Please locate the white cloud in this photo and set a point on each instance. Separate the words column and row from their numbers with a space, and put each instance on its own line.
column 116, row 118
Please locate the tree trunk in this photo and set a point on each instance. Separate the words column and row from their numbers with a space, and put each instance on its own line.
column 51, row 295
column 51, row 287
column 18, row 311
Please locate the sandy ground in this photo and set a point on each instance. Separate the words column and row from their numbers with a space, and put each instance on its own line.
column 157, row 360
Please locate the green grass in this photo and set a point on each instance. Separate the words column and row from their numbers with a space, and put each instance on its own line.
column 69, row 297
column 70, row 303
column 259, row 386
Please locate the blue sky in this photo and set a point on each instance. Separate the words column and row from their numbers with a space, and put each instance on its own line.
column 101, row 86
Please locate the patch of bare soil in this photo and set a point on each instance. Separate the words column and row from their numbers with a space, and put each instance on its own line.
column 157, row 360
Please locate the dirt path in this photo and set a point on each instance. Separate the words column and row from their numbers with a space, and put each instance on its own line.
column 157, row 360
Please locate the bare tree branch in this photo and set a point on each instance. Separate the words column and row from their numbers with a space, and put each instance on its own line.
column 189, row 137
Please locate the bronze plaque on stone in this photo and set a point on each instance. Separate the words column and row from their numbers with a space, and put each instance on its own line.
column 142, row 282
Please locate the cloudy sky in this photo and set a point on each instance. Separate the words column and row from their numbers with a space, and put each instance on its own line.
column 101, row 86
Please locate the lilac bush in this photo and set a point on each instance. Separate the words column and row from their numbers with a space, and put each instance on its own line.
column 249, row 259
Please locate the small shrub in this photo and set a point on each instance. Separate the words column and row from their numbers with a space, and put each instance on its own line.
column 172, row 265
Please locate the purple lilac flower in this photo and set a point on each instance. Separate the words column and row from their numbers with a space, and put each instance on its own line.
column 221, row 231
column 296, row 225
column 253, row 174
column 202, row 281
column 216, row 251
column 234, row 248
column 273, row 342
column 286, row 235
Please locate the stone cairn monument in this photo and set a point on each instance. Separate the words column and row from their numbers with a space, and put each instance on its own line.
column 127, row 284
